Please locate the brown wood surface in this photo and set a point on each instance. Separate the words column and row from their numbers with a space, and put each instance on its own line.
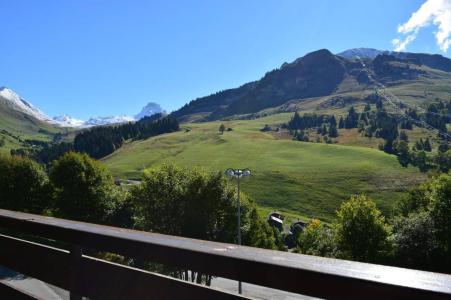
column 95, row 278
column 315, row 276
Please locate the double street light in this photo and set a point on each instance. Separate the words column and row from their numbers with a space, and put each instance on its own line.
column 238, row 174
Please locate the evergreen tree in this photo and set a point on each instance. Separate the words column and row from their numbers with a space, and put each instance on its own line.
column 333, row 121
column 419, row 144
column 341, row 123
column 333, row 131
column 352, row 119
column 403, row 153
column 420, row 160
column 403, row 136
column 427, row 145
column 443, row 147
column 324, row 129
column 367, row 107
column 379, row 104
column 388, row 147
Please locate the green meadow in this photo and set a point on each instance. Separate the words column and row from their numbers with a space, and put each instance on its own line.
column 305, row 180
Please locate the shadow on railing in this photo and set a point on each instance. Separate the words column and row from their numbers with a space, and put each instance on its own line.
column 98, row 279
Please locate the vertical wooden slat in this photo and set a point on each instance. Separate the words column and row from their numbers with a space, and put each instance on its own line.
column 75, row 270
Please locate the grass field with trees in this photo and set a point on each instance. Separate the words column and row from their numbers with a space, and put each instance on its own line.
column 298, row 178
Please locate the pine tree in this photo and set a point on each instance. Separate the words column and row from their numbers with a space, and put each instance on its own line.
column 333, row 131
column 419, row 145
column 427, row 145
column 403, row 136
column 341, row 123
column 402, row 151
column 442, row 148
column 324, row 130
column 352, row 118
column 333, row 121
column 379, row 104
column 388, row 147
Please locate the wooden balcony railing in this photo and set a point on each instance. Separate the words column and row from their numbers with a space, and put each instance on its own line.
column 98, row 279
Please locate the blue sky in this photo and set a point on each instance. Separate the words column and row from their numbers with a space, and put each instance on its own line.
column 89, row 57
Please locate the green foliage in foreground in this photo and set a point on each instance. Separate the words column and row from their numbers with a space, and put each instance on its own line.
column 361, row 231
column 83, row 188
column 200, row 204
column 418, row 237
column 422, row 232
column 196, row 204
column 24, row 185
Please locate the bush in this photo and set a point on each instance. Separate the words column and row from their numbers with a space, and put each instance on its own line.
column 414, row 241
column 361, row 232
column 317, row 239
column 23, row 185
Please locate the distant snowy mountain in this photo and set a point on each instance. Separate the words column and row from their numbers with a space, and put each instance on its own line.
column 361, row 52
column 14, row 101
column 97, row 121
column 150, row 109
column 68, row 121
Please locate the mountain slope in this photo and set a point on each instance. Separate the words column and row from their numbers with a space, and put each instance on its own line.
column 19, row 121
column 318, row 74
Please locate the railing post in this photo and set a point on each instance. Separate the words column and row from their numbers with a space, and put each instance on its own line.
column 75, row 258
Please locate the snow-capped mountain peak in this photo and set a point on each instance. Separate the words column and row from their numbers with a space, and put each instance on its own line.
column 150, row 109
column 18, row 103
column 68, row 121
column 97, row 121
column 14, row 101
column 360, row 52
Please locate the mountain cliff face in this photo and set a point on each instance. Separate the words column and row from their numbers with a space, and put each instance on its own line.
column 317, row 74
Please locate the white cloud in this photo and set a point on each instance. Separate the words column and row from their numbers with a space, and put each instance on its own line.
column 436, row 12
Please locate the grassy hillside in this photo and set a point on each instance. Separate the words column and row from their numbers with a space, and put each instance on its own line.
column 306, row 179
column 16, row 127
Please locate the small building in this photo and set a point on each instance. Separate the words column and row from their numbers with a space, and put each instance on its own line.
column 275, row 219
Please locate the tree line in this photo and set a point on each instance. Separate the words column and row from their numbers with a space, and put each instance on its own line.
column 326, row 125
column 101, row 141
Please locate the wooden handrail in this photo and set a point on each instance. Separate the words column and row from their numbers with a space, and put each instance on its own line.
column 309, row 275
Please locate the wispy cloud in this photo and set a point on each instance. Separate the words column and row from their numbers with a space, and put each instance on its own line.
column 435, row 12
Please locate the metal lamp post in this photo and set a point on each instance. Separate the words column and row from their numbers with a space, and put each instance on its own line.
column 238, row 173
